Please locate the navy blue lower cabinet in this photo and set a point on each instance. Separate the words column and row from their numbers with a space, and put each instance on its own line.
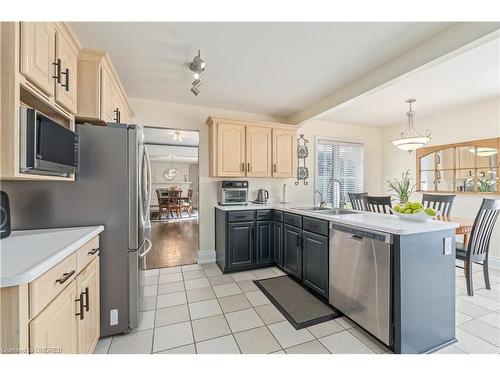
column 278, row 243
column 315, row 262
column 264, row 245
column 240, row 243
column 292, row 250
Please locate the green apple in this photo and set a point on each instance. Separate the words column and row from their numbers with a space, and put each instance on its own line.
column 407, row 211
column 416, row 206
column 430, row 211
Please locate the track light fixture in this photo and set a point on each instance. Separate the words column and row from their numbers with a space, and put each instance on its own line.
column 197, row 66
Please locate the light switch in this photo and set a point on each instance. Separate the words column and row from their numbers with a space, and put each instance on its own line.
column 113, row 317
column 447, row 246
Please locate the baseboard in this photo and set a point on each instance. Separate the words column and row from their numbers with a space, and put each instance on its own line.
column 494, row 263
column 206, row 256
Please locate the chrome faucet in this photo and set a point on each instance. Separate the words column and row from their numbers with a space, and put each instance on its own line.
column 341, row 191
column 322, row 202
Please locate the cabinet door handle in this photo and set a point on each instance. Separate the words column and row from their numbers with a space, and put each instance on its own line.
column 81, row 314
column 242, row 166
column 58, row 70
column 65, row 277
column 117, row 115
column 87, row 307
column 274, row 167
column 248, row 167
column 93, row 251
column 66, row 73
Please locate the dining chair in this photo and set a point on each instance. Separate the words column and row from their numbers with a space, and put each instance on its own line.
column 477, row 249
column 187, row 203
column 378, row 204
column 162, row 202
column 174, row 202
column 357, row 201
column 441, row 203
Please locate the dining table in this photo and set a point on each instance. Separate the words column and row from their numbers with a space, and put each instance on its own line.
column 464, row 225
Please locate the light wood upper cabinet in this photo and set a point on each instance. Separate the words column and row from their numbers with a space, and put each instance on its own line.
column 108, row 97
column 284, row 152
column 56, row 327
column 258, row 151
column 101, row 94
column 251, row 149
column 88, row 288
column 66, row 91
column 230, row 150
column 38, row 54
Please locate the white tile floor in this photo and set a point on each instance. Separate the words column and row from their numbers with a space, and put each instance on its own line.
column 195, row 309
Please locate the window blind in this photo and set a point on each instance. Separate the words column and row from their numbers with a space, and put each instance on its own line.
column 343, row 161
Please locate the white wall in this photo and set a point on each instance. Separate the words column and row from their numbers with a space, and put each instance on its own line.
column 158, row 167
column 170, row 115
column 467, row 123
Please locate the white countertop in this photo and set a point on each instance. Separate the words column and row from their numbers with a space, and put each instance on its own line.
column 367, row 220
column 27, row 254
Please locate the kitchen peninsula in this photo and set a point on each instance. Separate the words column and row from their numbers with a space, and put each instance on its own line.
column 394, row 278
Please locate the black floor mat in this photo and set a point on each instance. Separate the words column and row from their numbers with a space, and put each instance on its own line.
column 301, row 308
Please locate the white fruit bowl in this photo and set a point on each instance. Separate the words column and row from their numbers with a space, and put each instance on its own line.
column 420, row 216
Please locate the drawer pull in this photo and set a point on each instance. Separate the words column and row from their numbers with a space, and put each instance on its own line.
column 93, row 251
column 65, row 277
column 87, row 307
column 80, row 301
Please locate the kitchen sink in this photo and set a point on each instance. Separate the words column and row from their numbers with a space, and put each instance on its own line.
column 327, row 210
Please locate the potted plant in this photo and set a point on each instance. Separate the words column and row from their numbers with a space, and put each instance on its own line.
column 402, row 188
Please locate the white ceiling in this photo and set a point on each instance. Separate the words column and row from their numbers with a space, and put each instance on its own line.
column 162, row 146
column 269, row 68
column 470, row 77
column 166, row 137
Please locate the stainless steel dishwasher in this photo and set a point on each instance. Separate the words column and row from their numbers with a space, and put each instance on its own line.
column 360, row 277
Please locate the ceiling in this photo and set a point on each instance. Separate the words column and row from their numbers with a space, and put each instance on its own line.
column 270, row 68
column 472, row 76
column 166, row 137
column 162, row 146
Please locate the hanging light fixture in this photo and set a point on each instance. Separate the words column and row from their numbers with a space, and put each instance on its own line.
column 197, row 66
column 411, row 140
column 171, row 172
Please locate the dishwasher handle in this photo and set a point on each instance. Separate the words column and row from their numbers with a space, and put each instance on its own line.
column 360, row 233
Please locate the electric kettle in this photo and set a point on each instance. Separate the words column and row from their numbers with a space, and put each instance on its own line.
column 262, row 196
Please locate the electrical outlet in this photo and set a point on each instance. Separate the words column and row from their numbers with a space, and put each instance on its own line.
column 113, row 317
column 447, row 246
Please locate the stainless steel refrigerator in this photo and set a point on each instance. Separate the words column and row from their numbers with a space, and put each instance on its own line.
column 113, row 188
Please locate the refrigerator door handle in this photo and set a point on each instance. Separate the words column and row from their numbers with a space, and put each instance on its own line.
column 149, row 245
column 148, row 200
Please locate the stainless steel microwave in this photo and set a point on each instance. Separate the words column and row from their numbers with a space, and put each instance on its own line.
column 47, row 148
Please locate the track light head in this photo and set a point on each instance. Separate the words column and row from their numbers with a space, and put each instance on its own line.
column 195, row 91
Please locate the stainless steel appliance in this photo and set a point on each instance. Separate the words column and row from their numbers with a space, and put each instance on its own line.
column 360, row 278
column 262, row 196
column 113, row 188
column 47, row 147
column 4, row 215
column 232, row 192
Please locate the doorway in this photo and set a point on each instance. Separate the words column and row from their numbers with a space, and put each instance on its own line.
column 175, row 196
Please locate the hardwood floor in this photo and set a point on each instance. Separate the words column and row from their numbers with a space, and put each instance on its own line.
column 175, row 243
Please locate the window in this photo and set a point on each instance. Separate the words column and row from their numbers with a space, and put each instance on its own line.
column 343, row 161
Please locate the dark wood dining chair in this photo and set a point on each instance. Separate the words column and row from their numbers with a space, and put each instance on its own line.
column 162, row 202
column 477, row 249
column 174, row 202
column 378, row 204
column 441, row 203
column 357, row 201
column 187, row 203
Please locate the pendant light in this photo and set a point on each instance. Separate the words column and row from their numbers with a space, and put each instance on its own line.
column 171, row 172
column 411, row 140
